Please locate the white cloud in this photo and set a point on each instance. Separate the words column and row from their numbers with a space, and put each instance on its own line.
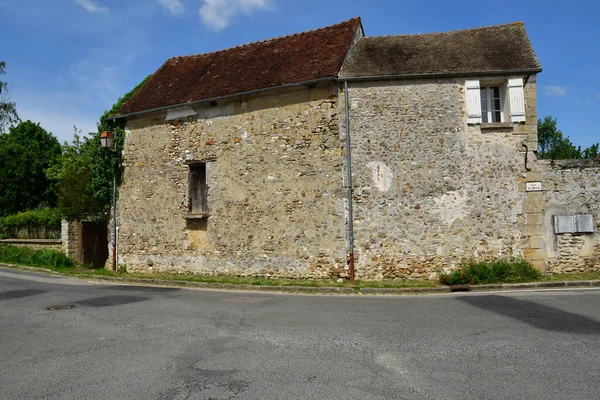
column 217, row 14
column 556, row 91
column 92, row 7
column 175, row 7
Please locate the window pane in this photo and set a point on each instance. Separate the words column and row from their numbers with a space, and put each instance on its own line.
column 484, row 107
column 496, row 105
column 496, row 116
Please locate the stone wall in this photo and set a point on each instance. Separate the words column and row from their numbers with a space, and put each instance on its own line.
column 431, row 190
column 69, row 235
column 275, row 198
column 571, row 187
column 36, row 244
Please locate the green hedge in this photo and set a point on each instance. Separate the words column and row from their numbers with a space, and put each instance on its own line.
column 34, row 258
column 36, row 224
column 499, row 271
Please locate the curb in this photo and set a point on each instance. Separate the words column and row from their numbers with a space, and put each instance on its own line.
column 313, row 289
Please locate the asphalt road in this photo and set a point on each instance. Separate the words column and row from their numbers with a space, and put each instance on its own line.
column 127, row 342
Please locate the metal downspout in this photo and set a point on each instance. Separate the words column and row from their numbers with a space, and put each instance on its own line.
column 349, row 184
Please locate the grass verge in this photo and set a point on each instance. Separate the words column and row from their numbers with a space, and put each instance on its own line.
column 587, row 276
column 19, row 255
column 58, row 262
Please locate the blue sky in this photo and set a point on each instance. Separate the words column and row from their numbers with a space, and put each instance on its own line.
column 69, row 60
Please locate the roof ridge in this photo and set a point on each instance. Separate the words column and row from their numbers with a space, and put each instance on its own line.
column 198, row 55
column 517, row 23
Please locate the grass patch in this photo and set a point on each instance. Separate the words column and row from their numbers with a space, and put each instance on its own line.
column 587, row 276
column 258, row 281
column 498, row 271
column 19, row 255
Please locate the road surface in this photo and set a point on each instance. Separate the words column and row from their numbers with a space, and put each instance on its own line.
column 128, row 342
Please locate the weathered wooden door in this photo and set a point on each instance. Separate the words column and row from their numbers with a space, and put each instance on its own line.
column 92, row 244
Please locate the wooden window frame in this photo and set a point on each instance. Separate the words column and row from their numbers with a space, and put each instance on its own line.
column 197, row 188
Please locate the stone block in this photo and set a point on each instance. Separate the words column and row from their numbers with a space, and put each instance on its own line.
column 537, row 242
column 532, row 207
column 534, row 176
column 535, row 197
column 535, row 219
column 541, row 265
column 534, row 254
column 533, row 230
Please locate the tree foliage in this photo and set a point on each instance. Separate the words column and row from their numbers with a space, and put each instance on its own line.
column 106, row 163
column 85, row 171
column 26, row 152
column 35, row 224
column 8, row 109
column 73, row 179
column 552, row 144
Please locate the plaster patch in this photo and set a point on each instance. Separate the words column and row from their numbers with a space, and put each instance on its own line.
column 450, row 207
column 382, row 175
column 208, row 112
column 180, row 112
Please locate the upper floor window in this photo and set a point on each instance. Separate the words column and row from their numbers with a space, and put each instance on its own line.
column 491, row 104
column 491, row 101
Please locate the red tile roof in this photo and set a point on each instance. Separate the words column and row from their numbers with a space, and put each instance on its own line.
column 298, row 58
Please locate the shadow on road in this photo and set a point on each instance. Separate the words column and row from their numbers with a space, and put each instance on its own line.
column 151, row 289
column 537, row 315
column 109, row 301
column 15, row 294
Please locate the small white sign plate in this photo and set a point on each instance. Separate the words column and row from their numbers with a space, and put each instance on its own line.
column 534, row 186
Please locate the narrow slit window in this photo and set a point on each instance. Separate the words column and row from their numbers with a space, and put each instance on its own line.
column 198, row 189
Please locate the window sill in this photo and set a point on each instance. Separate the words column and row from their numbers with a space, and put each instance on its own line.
column 496, row 125
column 198, row 215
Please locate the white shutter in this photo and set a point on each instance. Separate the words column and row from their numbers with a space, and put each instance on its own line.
column 473, row 102
column 516, row 99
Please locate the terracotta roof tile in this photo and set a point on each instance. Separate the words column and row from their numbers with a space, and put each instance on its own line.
column 297, row 58
column 480, row 50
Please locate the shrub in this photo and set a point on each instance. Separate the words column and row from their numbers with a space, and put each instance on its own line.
column 35, row 258
column 456, row 277
column 35, row 224
column 498, row 271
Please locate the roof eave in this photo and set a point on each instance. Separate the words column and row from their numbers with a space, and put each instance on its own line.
column 441, row 75
column 231, row 96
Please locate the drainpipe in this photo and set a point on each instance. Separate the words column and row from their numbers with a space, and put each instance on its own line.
column 349, row 183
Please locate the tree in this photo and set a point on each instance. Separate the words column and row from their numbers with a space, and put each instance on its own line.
column 105, row 162
column 84, row 173
column 553, row 145
column 592, row 152
column 73, row 179
column 8, row 109
column 25, row 154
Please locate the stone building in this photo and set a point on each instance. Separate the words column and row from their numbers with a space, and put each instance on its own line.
column 235, row 161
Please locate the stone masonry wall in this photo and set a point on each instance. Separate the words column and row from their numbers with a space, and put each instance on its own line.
column 69, row 234
column 429, row 189
column 275, row 207
column 571, row 187
column 36, row 244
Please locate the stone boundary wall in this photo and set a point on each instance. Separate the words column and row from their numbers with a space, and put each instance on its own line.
column 571, row 187
column 69, row 235
column 36, row 244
